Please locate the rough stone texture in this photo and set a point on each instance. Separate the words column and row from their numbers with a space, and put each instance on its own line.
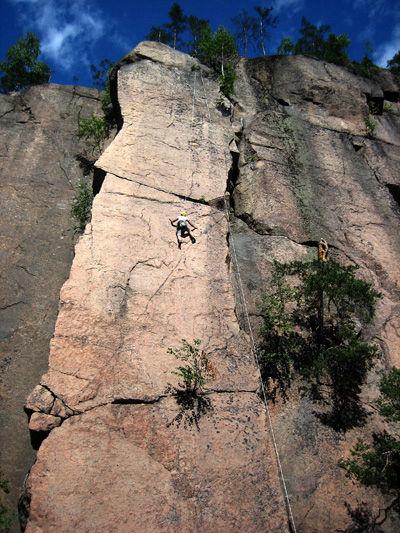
column 124, row 463
column 307, row 169
column 139, row 474
column 43, row 422
column 38, row 170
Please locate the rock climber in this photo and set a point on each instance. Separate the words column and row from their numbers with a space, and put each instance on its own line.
column 182, row 228
column 323, row 251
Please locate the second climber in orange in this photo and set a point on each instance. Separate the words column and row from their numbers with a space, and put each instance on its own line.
column 182, row 224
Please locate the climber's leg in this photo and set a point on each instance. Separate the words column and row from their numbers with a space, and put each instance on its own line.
column 191, row 236
column 179, row 237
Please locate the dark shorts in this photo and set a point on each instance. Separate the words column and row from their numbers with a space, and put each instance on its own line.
column 182, row 231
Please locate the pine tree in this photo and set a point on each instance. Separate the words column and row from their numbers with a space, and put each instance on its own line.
column 245, row 28
column 21, row 68
column 394, row 64
column 196, row 27
column 177, row 24
column 264, row 19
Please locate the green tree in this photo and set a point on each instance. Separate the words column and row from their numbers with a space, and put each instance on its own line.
column 21, row 67
column 94, row 130
column 218, row 50
column 394, row 64
column 319, row 42
column 366, row 67
column 389, row 400
column 312, row 40
column 378, row 463
column 100, row 79
column 336, row 49
column 312, row 317
column 286, row 47
column 265, row 19
column 196, row 27
column 177, row 24
column 245, row 27
column 159, row 34
column 81, row 207
column 100, row 73
column 192, row 401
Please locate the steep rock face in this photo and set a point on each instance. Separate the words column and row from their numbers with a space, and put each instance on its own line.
column 38, row 170
column 308, row 169
column 128, row 457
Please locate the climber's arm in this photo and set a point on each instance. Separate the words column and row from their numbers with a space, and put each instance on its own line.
column 193, row 226
column 173, row 222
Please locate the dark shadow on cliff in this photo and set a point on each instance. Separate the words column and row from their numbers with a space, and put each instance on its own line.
column 313, row 317
column 192, row 406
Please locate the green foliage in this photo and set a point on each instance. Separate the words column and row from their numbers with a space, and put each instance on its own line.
column 177, row 23
column 317, row 41
column 100, row 73
column 159, row 34
column 377, row 464
column 5, row 515
column 81, row 206
column 196, row 27
column 227, row 81
column 170, row 33
column 389, row 400
column 370, row 124
column 94, row 130
column 394, row 64
column 245, row 28
column 218, row 50
column 265, row 19
column 366, row 67
column 4, row 485
column 5, row 519
column 100, row 79
column 286, row 47
column 21, row 67
column 193, row 403
column 193, row 372
column 311, row 327
column 387, row 106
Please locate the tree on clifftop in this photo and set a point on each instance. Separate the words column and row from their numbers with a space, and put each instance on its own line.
column 21, row 67
column 171, row 32
column 394, row 64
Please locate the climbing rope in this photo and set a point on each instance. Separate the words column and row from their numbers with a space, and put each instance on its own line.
column 244, row 303
column 189, row 156
column 254, row 352
column 264, row 395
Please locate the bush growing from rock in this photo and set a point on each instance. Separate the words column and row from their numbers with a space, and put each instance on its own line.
column 94, row 130
column 370, row 124
column 313, row 320
column 189, row 395
column 82, row 205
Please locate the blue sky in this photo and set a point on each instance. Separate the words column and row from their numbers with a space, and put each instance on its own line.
column 76, row 33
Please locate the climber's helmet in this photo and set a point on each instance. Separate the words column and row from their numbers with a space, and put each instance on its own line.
column 183, row 214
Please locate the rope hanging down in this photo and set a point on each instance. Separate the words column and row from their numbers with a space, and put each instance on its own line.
column 254, row 350
column 253, row 346
column 189, row 156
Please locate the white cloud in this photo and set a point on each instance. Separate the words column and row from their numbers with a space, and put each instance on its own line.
column 293, row 6
column 386, row 50
column 67, row 28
